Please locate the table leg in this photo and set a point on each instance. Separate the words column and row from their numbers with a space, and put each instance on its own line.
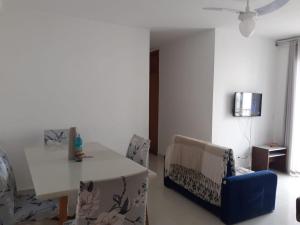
column 147, row 219
column 63, row 210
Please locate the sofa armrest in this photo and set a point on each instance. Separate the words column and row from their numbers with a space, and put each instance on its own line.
column 247, row 196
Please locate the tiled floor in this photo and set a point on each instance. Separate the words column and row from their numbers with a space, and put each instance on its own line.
column 167, row 207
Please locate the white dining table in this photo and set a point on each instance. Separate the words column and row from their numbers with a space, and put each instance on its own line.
column 55, row 177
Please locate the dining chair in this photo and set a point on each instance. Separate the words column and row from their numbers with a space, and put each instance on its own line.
column 138, row 150
column 57, row 136
column 120, row 201
column 16, row 207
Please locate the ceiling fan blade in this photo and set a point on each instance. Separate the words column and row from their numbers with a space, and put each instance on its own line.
column 273, row 6
column 222, row 9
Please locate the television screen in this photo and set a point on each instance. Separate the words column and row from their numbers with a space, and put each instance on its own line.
column 247, row 104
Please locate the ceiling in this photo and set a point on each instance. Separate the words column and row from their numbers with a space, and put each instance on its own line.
column 169, row 19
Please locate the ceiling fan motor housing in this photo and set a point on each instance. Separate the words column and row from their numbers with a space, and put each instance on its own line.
column 247, row 15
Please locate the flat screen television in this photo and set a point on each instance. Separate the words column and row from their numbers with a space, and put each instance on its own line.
column 247, row 104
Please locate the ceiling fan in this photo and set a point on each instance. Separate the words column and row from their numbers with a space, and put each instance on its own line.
column 248, row 16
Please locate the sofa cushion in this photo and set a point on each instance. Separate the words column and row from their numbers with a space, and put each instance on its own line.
column 199, row 167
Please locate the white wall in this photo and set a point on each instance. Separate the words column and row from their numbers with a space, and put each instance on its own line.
column 282, row 58
column 186, row 82
column 56, row 72
column 248, row 65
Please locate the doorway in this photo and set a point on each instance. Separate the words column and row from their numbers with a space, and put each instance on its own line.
column 154, row 100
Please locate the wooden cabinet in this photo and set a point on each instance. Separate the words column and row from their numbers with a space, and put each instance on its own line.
column 266, row 157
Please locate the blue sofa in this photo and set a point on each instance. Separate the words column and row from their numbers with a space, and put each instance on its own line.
column 248, row 196
column 243, row 197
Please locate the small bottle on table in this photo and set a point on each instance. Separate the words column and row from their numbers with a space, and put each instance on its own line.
column 78, row 147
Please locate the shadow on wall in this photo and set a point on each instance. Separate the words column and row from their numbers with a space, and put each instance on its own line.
column 229, row 103
column 163, row 36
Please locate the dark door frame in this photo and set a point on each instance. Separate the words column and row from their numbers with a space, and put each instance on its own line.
column 154, row 100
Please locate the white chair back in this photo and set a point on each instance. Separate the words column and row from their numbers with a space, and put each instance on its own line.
column 120, row 201
column 58, row 136
column 138, row 150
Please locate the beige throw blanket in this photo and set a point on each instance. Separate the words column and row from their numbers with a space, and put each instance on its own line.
column 190, row 162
